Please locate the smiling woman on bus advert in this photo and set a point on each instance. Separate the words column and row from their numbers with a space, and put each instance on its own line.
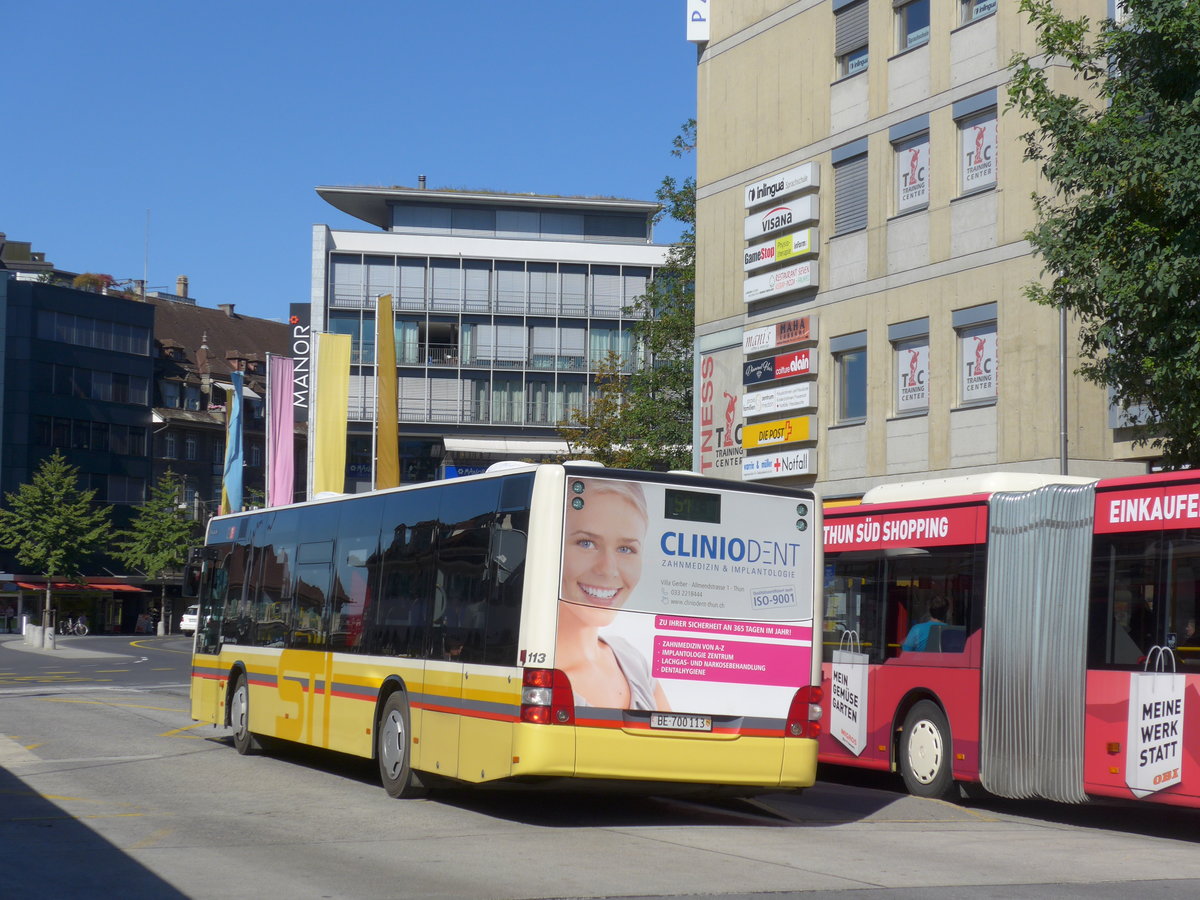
column 605, row 533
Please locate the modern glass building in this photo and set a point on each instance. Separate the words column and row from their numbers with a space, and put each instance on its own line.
column 503, row 306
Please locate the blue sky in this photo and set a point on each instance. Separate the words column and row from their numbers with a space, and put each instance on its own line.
column 213, row 122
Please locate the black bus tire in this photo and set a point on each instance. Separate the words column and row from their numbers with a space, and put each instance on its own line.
column 393, row 749
column 925, row 752
column 244, row 739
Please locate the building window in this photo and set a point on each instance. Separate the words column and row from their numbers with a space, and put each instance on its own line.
column 169, row 446
column 850, row 193
column 255, row 455
column 123, row 489
column 976, row 9
column 189, row 446
column 910, row 350
column 850, row 378
column 850, row 42
column 912, row 174
column 977, row 142
column 978, row 361
column 912, row 23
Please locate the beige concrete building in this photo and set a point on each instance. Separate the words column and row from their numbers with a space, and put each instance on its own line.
column 861, row 208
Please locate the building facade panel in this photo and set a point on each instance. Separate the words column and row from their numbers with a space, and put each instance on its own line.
column 923, row 206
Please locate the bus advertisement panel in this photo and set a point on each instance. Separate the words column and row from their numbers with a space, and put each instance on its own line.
column 953, row 609
column 700, row 599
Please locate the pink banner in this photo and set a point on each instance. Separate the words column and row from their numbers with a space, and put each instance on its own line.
column 739, row 662
column 709, row 650
column 280, row 454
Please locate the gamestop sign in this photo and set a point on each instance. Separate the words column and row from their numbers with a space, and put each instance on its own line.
column 790, row 246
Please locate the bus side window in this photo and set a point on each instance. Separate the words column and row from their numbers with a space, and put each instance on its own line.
column 464, row 582
column 396, row 620
column 314, row 569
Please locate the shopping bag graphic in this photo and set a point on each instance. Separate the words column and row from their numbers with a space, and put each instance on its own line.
column 1154, row 755
column 848, row 694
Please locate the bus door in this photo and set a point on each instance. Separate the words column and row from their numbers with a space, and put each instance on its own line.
column 463, row 585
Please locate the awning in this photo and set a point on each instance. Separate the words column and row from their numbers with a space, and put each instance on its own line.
column 246, row 392
column 72, row 586
column 505, row 446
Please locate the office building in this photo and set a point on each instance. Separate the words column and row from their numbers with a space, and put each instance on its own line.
column 862, row 203
column 503, row 305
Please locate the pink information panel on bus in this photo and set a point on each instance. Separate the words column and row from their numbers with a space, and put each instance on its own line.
column 737, row 652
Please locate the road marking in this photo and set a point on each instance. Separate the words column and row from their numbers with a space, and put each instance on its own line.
column 108, row 703
column 110, row 671
column 179, row 732
column 151, row 839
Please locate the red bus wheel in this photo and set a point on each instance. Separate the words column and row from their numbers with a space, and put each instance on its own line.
column 925, row 752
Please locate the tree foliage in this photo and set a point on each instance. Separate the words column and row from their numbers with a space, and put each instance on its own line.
column 159, row 533
column 1118, row 235
column 51, row 525
column 642, row 419
column 158, row 536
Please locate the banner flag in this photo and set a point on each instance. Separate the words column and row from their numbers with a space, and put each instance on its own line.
column 387, row 419
column 331, row 408
column 281, row 459
column 231, row 484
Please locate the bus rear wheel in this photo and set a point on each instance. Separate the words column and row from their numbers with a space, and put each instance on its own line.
column 925, row 752
column 239, row 718
column 393, row 745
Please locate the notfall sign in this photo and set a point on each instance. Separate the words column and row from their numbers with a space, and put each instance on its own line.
column 779, row 464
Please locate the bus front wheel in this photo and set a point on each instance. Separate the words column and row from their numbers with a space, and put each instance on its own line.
column 393, row 744
column 239, row 718
column 925, row 752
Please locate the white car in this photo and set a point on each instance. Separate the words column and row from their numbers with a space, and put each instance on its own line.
column 187, row 624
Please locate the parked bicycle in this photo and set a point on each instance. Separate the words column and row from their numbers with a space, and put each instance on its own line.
column 73, row 626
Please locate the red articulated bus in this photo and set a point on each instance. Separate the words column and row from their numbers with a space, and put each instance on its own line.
column 1032, row 635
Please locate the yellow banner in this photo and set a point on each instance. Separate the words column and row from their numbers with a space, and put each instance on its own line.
column 782, row 431
column 331, row 408
column 387, row 419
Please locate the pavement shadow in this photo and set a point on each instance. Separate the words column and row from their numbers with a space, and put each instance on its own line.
column 51, row 853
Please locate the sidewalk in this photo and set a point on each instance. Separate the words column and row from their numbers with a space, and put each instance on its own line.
column 65, row 649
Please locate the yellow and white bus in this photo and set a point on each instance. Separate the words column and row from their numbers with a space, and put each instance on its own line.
column 534, row 623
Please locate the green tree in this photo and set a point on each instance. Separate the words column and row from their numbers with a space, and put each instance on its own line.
column 643, row 419
column 1119, row 146
column 51, row 525
column 158, row 536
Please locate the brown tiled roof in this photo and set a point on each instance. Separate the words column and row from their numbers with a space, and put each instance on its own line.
column 187, row 326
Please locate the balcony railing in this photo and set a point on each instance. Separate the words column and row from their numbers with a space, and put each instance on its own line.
column 347, row 297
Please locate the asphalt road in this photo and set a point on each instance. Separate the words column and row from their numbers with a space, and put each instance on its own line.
column 107, row 789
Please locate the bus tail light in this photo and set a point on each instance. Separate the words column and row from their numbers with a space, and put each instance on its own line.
column 804, row 717
column 547, row 698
